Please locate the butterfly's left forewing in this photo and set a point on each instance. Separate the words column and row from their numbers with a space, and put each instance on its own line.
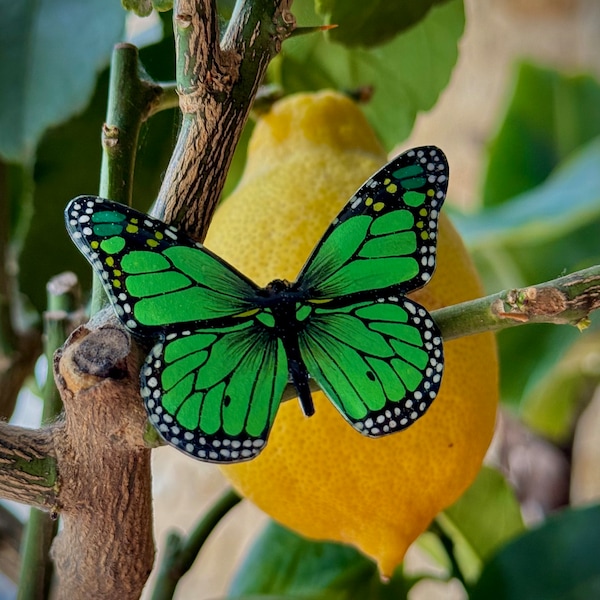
column 384, row 240
column 156, row 277
column 379, row 361
column 214, row 380
column 213, row 393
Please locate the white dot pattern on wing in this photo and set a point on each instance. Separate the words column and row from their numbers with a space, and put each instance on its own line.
column 408, row 410
column 200, row 445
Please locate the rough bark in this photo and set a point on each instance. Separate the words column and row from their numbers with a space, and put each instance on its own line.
column 105, row 549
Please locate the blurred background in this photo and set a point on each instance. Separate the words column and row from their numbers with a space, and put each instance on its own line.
column 517, row 60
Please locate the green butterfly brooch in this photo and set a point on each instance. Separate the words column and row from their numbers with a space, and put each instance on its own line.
column 225, row 348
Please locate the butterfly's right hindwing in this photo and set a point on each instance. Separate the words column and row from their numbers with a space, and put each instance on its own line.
column 380, row 362
column 156, row 277
column 213, row 393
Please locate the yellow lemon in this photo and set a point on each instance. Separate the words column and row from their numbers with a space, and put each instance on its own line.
column 317, row 475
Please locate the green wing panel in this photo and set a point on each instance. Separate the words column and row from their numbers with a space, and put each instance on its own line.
column 156, row 277
column 213, row 393
column 384, row 240
column 380, row 362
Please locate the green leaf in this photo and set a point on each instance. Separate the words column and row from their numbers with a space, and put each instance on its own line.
column 483, row 519
column 541, row 214
column 51, row 53
column 407, row 74
column 282, row 563
column 372, row 23
column 142, row 8
column 553, row 406
column 533, row 238
column 528, row 355
column 238, row 162
column 549, row 116
column 557, row 561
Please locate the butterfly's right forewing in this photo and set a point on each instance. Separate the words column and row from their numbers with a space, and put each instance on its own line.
column 213, row 393
column 384, row 240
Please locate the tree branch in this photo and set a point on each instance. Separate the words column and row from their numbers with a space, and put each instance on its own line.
column 567, row 300
column 217, row 84
column 105, row 549
column 28, row 466
column 37, row 568
column 132, row 97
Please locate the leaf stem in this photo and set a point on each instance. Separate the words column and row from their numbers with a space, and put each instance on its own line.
column 169, row 98
column 448, row 544
column 132, row 97
column 181, row 552
column 567, row 300
column 36, row 567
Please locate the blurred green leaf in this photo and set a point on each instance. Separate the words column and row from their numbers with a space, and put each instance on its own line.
column 534, row 238
column 371, row 23
column 528, row 355
column 282, row 563
column 552, row 407
column 568, row 199
column 547, row 152
column 51, row 52
column 406, row 74
column 142, row 8
column 549, row 116
column 485, row 517
column 557, row 561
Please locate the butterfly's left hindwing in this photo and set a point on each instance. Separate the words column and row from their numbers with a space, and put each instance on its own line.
column 213, row 393
column 155, row 276
column 380, row 362
column 384, row 240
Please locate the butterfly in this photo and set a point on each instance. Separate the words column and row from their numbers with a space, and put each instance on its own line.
column 225, row 348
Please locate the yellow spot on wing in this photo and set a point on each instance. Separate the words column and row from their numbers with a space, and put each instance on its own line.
column 424, row 235
column 152, row 243
column 248, row 313
column 110, row 261
column 369, row 201
column 158, row 235
column 319, row 300
column 94, row 244
column 132, row 228
column 116, row 283
column 378, row 206
column 392, row 188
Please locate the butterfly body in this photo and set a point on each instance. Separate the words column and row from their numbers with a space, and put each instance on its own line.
column 226, row 348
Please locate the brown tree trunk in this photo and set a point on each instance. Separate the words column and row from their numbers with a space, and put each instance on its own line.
column 105, row 549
